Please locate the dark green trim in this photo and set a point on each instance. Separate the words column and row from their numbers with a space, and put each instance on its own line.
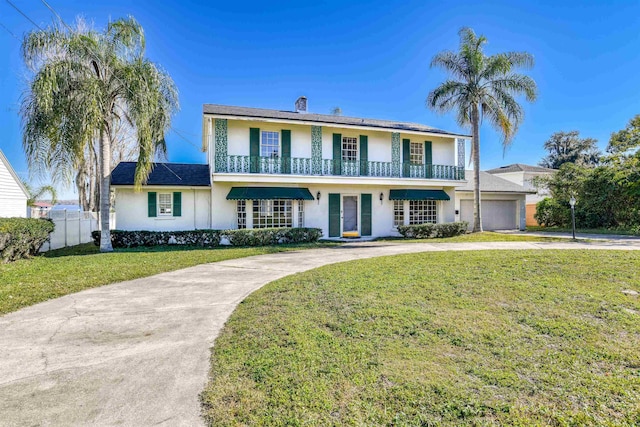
column 337, row 154
column 365, row 214
column 406, row 157
column 411, row 194
column 254, row 150
column 177, row 203
column 364, row 155
column 286, row 151
column 269, row 193
column 334, row 215
column 152, row 204
column 428, row 160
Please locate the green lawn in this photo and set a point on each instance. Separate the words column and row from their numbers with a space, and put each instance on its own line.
column 505, row 338
column 486, row 236
column 64, row 271
column 626, row 232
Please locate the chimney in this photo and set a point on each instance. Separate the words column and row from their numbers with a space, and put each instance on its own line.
column 301, row 105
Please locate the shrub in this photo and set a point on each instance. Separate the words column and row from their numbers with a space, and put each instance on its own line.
column 551, row 213
column 22, row 237
column 211, row 238
column 430, row 231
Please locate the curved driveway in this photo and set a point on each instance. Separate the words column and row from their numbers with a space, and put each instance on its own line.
column 137, row 352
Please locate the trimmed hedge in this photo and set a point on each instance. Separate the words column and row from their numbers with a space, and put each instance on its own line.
column 433, row 231
column 23, row 237
column 211, row 238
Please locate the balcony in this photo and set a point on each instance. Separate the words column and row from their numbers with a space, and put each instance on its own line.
column 330, row 167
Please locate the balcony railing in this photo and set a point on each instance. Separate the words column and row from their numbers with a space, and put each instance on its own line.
column 330, row 167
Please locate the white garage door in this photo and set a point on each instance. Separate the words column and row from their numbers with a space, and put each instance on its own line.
column 496, row 214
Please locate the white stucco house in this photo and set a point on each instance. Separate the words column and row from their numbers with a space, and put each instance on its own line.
column 502, row 202
column 525, row 176
column 13, row 194
column 350, row 177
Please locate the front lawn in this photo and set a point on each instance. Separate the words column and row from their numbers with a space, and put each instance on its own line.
column 621, row 231
column 475, row 338
column 64, row 271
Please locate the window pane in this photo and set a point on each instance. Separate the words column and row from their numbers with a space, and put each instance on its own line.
column 417, row 152
column 300, row 213
column 272, row 213
column 165, row 203
column 349, row 149
column 398, row 212
column 270, row 144
column 422, row 211
column 241, row 209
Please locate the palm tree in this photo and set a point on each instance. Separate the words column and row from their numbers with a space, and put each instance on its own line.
column 35, row 194
column 482, row 87
column 85, row 84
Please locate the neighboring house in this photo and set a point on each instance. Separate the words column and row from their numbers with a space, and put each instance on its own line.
column 40, row 210
column 502, row 202
column 13, row 194
column 348, row 176
column 525, row 175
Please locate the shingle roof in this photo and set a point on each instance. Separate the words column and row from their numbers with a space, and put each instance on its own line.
column 492, row 184
column 170, row 174
column 227, row 110
column 519, row 167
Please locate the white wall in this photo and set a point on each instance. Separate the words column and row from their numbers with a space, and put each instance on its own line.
column 132, row 210
column 317, row 212
column 526, row 180
column 13, row 200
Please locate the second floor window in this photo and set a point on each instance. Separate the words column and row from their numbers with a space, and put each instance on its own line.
column 270, row 144
column 417, row 153
column 349, row 149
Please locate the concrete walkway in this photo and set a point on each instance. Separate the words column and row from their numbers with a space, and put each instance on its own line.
column 137, row 352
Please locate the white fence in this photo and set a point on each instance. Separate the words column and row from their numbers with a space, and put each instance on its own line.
column 72, row 228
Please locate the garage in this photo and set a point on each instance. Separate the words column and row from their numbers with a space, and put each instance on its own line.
column 496, row 214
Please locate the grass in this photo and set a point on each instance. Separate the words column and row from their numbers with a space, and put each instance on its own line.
column 64, row 271
column 506, row 338
column 486, row 236
column 621, row 231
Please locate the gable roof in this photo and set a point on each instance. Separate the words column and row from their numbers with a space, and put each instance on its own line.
column 13, row 173
column 492, row 184
column 169, row 174
column 328, row 119
column 519, row 167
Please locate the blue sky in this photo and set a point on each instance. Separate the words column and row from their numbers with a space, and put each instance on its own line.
column 369, row 58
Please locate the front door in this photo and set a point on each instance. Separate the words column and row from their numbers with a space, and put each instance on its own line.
column 349, row 214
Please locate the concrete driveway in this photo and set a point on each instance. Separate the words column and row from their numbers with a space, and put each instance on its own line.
column 137, row 352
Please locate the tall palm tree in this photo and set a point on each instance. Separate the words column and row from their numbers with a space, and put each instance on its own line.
column 84, row 85
column 482, row 87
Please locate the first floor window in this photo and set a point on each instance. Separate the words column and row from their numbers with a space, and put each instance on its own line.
column 270, row 144
column 165, row 204
column 349, row 149
column 417, row 153
column 241, row 209
column 398, row 213
column 422, row 211
column 300, row 213
column 272, row 213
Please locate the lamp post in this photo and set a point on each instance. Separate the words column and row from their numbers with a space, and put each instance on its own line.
column 572, row 202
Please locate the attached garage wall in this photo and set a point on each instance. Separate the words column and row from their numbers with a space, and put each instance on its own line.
column 499, row 211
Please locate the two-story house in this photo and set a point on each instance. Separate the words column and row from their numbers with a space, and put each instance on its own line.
column 272, row 168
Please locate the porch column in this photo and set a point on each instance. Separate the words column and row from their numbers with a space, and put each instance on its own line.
column 220, row 161
column 316, row 150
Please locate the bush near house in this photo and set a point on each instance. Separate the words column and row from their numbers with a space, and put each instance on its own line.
column 22, row 237
column 211, row 238
column 433, row 231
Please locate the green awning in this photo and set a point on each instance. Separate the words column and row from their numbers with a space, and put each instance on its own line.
column 410, row 194
column 269, row 193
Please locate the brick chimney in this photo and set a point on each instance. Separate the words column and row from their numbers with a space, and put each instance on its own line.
column 301, row 105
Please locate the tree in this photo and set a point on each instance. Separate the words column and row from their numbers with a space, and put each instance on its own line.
column 568, row 147
column 85, row 85
column 35, row 194
column 627, row 140
column 482, row 87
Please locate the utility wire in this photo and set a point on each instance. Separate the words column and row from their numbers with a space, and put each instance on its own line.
column 24, row 14
column 9, row 31
column 56, row 14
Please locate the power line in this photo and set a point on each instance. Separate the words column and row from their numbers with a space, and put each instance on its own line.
column 56, row 14
column 9, row 31
column 24, row 14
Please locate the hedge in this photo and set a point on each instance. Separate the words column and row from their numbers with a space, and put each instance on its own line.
column 433, row 231
column 23, row 237
column 211, row 238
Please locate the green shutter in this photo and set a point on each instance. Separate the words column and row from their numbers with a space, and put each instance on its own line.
column 254, row 150
column 177, row 203
column 334, row 215
column 286, row 151
column 152, row 204
column 364, row 155
column 428, row 160
column 365, row 214
column 406, row 157
column 337, row 154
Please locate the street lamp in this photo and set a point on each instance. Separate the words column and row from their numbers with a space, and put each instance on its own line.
column 572, row 202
